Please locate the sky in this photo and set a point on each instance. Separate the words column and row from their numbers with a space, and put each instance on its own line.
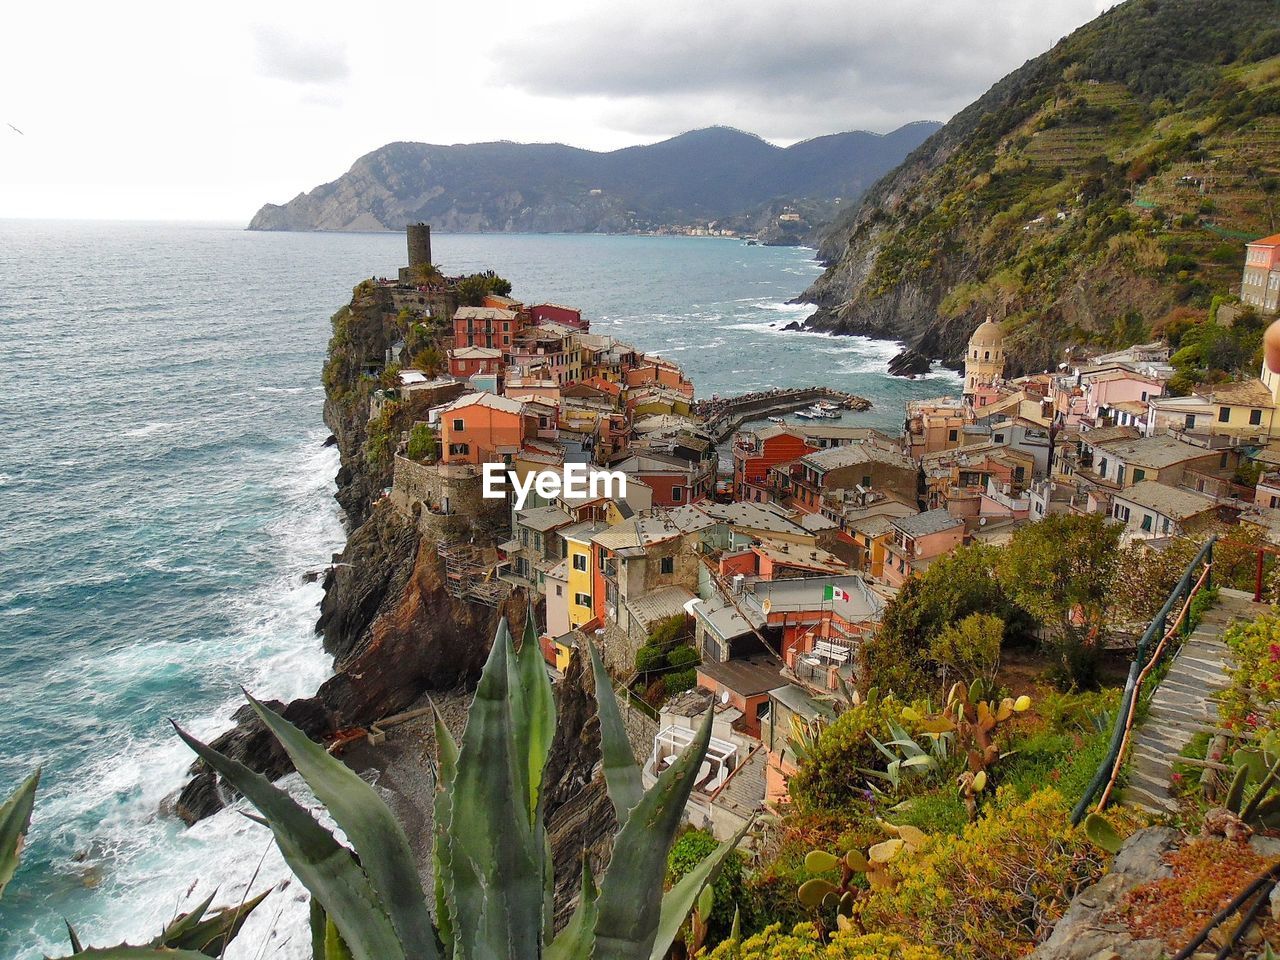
column 176, row 111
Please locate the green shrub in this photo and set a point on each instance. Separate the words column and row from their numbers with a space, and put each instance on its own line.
column 422, row 442
column 680, row 681
column 828, row 776
column 994, row 890
column 683, row 657
column 969, row 648
column 649, row 658
column 728, row 890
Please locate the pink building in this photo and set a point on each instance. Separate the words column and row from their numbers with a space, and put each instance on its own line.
column 919, row 540
column 1088, row 395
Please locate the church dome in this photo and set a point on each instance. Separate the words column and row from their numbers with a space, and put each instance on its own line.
column 988, row 334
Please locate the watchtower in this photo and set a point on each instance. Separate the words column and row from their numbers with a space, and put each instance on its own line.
column 419, row 244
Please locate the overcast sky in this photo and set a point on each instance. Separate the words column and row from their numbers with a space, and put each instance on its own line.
column 141, row 110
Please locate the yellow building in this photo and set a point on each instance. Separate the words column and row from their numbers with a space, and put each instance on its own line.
column 580, row 560
column 1242, row 409
column 984, row 359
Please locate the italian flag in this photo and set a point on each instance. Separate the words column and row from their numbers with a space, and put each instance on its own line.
column 832, row 592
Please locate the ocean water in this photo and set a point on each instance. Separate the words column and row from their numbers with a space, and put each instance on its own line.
column 163, row 488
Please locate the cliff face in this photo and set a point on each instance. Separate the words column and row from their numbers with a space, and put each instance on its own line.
column 1081, row 199
column 531, row 187
column 396, row 633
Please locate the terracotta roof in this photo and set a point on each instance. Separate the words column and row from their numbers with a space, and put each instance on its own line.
column 1271, row 241
column 491, row 400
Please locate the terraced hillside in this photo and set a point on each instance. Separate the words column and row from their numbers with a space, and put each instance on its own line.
column 1084, row 198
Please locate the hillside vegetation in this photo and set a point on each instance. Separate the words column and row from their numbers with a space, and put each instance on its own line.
column 1083, row 198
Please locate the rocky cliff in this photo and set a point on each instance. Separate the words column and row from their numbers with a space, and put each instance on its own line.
column 491, row 187
column 394, row 630
column 1083, row 198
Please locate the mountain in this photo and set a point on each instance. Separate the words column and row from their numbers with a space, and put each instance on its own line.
column 701, row 175
column 1092, row 196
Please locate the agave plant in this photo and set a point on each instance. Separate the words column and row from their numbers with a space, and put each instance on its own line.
column 493, row 868
column 195, row 935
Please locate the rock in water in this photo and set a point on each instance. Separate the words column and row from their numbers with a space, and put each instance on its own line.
column 910, row 363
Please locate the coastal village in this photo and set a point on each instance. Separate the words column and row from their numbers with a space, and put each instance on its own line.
column 752, row 557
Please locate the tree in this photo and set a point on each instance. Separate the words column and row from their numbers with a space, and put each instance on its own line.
column 474, row 288
column 422, row 442
column 970, row 648
column 429, row 360
column 959, row 584
column 1060, row 570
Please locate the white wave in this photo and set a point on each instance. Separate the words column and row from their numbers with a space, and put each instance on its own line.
column 137, row 859
column 149, row 429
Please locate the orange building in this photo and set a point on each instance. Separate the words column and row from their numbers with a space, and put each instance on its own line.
column 483, row 427
column 490, row 327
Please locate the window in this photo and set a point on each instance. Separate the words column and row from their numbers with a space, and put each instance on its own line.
column 953, row 435
column 1119, row 474
column 1139, row 474
column 1224, row 414
column 459, row 448
column 582, row 599
column 999, row 438
column 1146, row 521
column 1144, row 396
column 559, row 590
column 1164, row 527
column 580, row 561
column 667, row 565
column 677, row 494
column 1275, row 502
column 459, row 425
column 1189, row 422
column 866, row 481
column 1255, row 417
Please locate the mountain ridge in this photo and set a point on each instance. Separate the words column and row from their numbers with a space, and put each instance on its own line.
column 707, row 174
column 1083, row 199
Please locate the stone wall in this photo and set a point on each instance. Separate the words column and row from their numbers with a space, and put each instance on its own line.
column 446, row 501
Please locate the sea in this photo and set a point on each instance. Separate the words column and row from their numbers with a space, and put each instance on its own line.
column 164, row 487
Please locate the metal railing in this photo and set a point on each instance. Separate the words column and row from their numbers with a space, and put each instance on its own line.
column 1197, row 574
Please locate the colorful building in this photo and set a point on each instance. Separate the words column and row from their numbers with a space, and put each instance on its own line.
column 1260, row 284
column 482, row 427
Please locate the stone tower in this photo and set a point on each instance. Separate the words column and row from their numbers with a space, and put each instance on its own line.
column 984, row 360
column 419, row 244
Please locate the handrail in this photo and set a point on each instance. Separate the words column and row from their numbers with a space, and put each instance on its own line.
column 1146, row 671
column 1138, row 670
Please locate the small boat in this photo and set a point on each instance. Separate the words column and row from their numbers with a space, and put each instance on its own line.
column 806, row 414
column 776, row 420
column 826, row 405
column 752, row 242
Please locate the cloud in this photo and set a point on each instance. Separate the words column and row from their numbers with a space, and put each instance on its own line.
column 282, row 56
column 786, row 71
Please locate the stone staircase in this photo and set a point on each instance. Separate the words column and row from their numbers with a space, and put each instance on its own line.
column 1184, row 704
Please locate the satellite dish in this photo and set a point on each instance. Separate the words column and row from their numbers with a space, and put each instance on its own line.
column 724, row 696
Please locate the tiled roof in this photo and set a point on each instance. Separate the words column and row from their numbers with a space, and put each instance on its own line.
column 931, row 521
column 490, row 400
column 1172, row 502
column 1155, row 452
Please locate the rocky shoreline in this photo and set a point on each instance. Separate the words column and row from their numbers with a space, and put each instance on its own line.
column 400, row 641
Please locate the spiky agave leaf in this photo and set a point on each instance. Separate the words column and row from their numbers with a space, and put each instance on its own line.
column 621, row 772
column 446, row 770
column 631, row 895
column 324, row 866
column 209, row 934
column 495, row 884
column 576, row 940
column 370, row 827
column 15, row 819
column 533, row 715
